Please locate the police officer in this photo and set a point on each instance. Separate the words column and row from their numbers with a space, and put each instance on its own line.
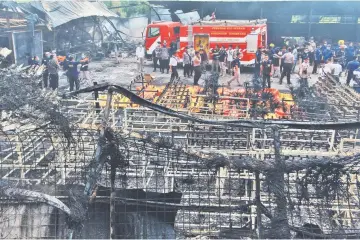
column 351, row 66
column 266, row 70
column 215, row 58
column 156, row 55
column 173, row 67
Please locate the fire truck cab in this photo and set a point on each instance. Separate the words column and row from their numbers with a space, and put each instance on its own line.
column 247, row 35
column 161, row 32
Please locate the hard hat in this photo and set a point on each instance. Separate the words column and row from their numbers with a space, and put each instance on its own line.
column 341, row 42
column 272, row 45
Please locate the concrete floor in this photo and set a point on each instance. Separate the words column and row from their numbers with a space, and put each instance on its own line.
column 124, row 72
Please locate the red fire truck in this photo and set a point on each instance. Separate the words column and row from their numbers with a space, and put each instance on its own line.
column 248, row 35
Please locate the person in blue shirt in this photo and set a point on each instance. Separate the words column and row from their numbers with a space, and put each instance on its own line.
column 318, row 58
column 349, row 52
column 258, row 61
column 324, row 46
column 73, row 73
column 327, row 53
column 351, row 66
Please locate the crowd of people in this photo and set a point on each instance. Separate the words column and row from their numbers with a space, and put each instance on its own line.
column 271, row 62
column 52, row 65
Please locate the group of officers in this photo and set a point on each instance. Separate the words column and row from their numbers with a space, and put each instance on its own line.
column 51, row 66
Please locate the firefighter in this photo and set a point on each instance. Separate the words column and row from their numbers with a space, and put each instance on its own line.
column 45, row 76
column 351, row 66
column 187, row 62
column 258, row 61
column 156, row 54
column 222, row 61
column 229, row 58
column 266, row 70
column 341, row 56
column 215, row 59
column 197, row 67
column 164, row 59
column 140, row 54
column 173, row 67
column 288, row 59
column 236, row 68
column 73, row 74
column 53, row 68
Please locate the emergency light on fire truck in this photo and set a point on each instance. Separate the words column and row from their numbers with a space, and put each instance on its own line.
column 248, row 35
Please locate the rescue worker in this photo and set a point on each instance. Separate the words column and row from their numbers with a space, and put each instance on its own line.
column 271, row 51
column 215, row 59
column 317, row 60
column 164, row 59
column 53, row 68
column 327, row 53
column 229, row 58
column 197, row 67
column 351, row 66
column 304, row 72
column 288, row 63
column 236, row 68
column 73, row 74
column 340, row 56
column 45, row 76
column 266, row 70
column 84, row 68
column 173, row 67
column 140, row 54
column 350, row 53
column 156, row 54
column 258, row 61
column 187, row 62
column 222, row 61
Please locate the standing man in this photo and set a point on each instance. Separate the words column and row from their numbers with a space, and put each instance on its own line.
column 351, row 66
column 156, row 54
column 140, row 54
column 222, row 60
column 304, row 72
column 327, row 53
column 236, row 68
column 173, row 67
column 204, row 60
column 337, row 69
column 45, row 62
column 266, row 70
column 295, row 53
column 349, row 52
column 84, row 68
column 53, row 68
column 258, row 62
column 288, row 63
column 197, row 67
column 187, row 62
column 230, row 58
column 311, row 48
column 318, row 58
column 73, row 74
column 276, row 63
column 164, row 59
column 215, row 58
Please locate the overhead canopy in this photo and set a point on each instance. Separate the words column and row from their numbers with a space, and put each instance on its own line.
column 60, row 12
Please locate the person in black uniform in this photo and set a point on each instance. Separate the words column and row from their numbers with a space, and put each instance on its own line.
column 266, row 70
column 45, row 76
column 258, row 61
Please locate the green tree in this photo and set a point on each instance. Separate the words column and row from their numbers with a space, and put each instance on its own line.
column 128, row 8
